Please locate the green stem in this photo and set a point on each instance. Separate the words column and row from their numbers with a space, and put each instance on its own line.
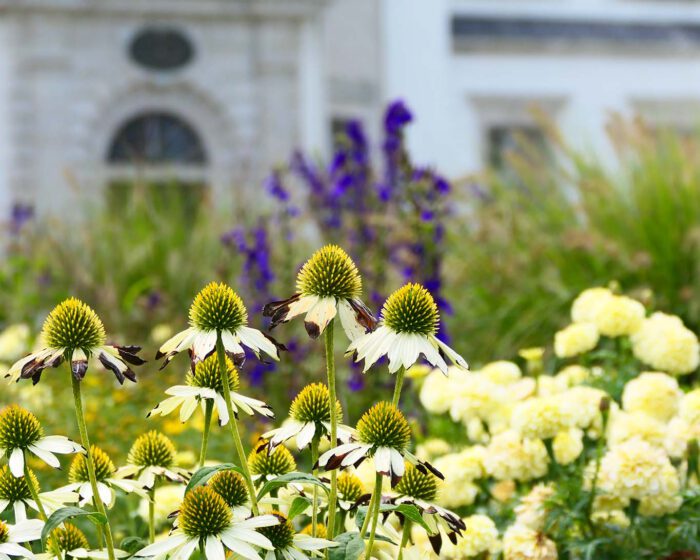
column 314, row 515
column 397, row 388
column 370, row 509
column 375, row 515
column 330, row 369
column 404, row 537
column 35, row 496
column 152, row 514
column 233, row 423
column 100, row 532
column 85, row 440
column 208, row 411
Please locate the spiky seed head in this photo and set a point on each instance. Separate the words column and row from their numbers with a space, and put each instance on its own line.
column 321, row 530
column 104, row 467
column 16, row 489
column 231, row 487
column 218, row 308
column 411, row 309
column 152, row 449
column 276, row 463
column 281, row 535
column 330, row 272
column 204, row 513
column 4, row 532
column 350, row 487
column 384, row 425
column 313, row 404
column 19, row 428
column 73, row 324
column 68, row 537
column 415, row 484
column 208, row 375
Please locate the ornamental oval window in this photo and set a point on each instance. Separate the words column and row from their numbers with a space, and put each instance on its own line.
column 157, row 138
column 161, row 49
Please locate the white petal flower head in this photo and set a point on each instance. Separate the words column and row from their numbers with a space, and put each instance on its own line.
column 72, row 543
column 21, row 433
column 287, row 544
column 204, row 383
column 383, row 435
column 218, row 309
column 407, row 330
column 13, row 536
column 205, row 519
column 73, row 330
column 15, row 494
column 152, row 457
column 328, row 284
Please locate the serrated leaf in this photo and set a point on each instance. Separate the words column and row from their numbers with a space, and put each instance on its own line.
column 65, row 513
column 205, row 473
column 289, row 478
column 299, row 505
column 351, row 547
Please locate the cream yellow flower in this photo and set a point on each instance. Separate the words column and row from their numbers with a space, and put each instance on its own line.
column 567, row 446
column 502, row 372
column 624, row 427
column 664, row 343
column 14, row 342
column 654, row 394
column 460, row 470
column 541, row 417
column 531, row 510
column 522, row 543
column 432, row 448
column 584, row 405
column 571, row 376
column 678, row 434
column 475, row 396
column 577, row 338
column 167, row 499
column 511, row 457
column 437, row 392
column 587, row 305
column 480, row 537
column 619, row 316
column 689, row 408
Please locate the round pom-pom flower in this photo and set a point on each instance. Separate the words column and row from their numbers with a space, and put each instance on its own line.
column 309, row 418
column 577, row 338
column 328, row 284
column 73, row 330
column 664, row 343
column 289, row 544
column 654, row 394
column 407, row 330
column 480, row 538
column 217, row 309
column 206, row 519
column 523, row 543
column 152, row 456
column 21, row 432
column 383, row 435
column 205, row 383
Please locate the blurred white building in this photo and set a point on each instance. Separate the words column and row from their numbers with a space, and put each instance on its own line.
column 216, row 92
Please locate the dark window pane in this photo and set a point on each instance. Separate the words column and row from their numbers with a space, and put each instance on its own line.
column 161, row 49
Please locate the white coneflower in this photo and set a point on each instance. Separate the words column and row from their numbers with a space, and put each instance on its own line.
column 206, row 521
column 309, row 418
column 383, row 436
column 107, row 476
column 153, row 456
column 21, row 432
column 12, row 536
column 328, row 284
column 71, row 542
column 217, row 309
column 205, row 384
column 231, row 486
column 409, row 322
column 265, row 464
column 290, row 545
column 73, row 330
column 15, row 493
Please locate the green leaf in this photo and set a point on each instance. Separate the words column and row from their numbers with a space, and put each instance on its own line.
column 205, row 473
column 409, row 511
column 298, row 506
column 133, row 544
column 289, row 478
column 351, row 547
column 63, row 514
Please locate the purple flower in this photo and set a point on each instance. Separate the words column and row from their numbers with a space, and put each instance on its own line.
column 396, row 117
column 19, row 216
column 274, row 186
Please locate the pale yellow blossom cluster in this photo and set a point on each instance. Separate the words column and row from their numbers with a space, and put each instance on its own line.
column 664, row 343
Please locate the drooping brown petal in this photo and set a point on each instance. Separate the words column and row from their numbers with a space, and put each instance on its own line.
column 277, row 310
column 436, row 542
column 129, row 354
column 424, row 467
column 363, row 315
column 32, row 369
column 79, row 368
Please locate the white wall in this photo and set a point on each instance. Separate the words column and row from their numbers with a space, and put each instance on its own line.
column 5, row 46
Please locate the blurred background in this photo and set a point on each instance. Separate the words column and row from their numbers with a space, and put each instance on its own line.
column 507, row 154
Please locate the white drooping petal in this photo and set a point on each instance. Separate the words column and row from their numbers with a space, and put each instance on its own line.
column 176, row 342
column 203, row 344
column 242, row 549
column 222, row 409
column 302, row 305
column 353, row 457
column 337, row 452
column 257, row 341
column 106, row 494
column 382, row 460
column 183, row 391
column 452, row 355
column 321, row 314
column 348, row 319
column 16, row 463
column 15, row 549
column 307, row 542
column 59, row 444
column 214, row 549
column 189, row 405
column 26, row 531
column 46, row 456
column 430, row 350
column 398, row 466
column 162, row 547
column 306, row 435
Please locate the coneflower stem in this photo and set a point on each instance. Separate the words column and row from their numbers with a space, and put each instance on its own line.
column 152, row 514
column 330, row 369
column 370, row 509
column 85, row 441
column 314, row 460
column 404, row 537
column 375, row 515
column 208, row 411
column 233, row 423
column 397, row 388
column 42, row 512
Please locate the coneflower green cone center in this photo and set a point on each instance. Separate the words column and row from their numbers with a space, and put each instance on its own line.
column 275, row 463
column 4, row 532
column 104, row 467
column 350, row 487
column 231, row 487
column 19, row 428
column 152, row 450
column 207, row 375
column 415, row 484
column 383, row 425
column 15, row 489
column 330, row 272
column 67, row 538
column 313, row 404
column 73, row 324
column 281, row 535
column 204, row 513
column 218, row 308
column 412, row 310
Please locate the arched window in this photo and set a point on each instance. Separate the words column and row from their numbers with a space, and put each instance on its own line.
column 156, row 138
